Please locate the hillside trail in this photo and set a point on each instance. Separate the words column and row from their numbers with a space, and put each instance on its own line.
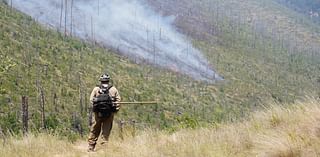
column 79, row 149
column 82, row 148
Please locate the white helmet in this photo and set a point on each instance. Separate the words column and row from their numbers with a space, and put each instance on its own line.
column 104, row 78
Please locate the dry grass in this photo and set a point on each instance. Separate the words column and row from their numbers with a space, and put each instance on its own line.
column 276, row 132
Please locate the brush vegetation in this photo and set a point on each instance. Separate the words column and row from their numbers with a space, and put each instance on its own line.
column 261, row 61
column 279, row 131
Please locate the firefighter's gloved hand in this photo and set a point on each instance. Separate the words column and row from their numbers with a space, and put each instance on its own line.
column 116, row 107
column 94, row 100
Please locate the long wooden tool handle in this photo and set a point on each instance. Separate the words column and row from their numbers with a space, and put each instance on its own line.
column 145, row 102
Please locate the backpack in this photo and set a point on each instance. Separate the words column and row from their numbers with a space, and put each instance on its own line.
column 103, row 103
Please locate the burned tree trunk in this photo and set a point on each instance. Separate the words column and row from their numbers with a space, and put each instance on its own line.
column 25, row 114
column 11, row 6
column 55, row 104
column 80, row 94
column 92, row 31
column 61, row 12
column 71, row 25
column 42, row 106
column 65, row 18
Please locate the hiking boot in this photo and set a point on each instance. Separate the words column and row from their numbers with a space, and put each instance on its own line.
column 104, row 143
column 91, row 148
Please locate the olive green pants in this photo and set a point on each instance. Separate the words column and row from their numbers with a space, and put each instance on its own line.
column 98, row 125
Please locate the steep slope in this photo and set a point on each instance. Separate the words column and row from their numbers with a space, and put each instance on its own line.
column 130, row 27
column 65, row 70
column 258, row 67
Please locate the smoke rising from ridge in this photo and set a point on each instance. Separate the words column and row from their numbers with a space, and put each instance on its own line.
column 126, row 25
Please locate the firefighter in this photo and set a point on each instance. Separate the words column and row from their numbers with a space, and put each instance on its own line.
column 104, row 99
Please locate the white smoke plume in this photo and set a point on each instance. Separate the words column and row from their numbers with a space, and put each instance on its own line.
column 126, row 25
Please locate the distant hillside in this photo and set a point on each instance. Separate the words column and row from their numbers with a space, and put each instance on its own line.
column 310, row 8
column 258, row 44
column 260, row 20
column 265, row 51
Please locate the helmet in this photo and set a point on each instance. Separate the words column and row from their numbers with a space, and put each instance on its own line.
column 104, row 78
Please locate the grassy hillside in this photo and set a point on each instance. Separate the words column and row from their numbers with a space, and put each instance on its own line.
column 278, row 132
column 266, row 32
column 65, row 70
column 263, row 49
column 258, row 68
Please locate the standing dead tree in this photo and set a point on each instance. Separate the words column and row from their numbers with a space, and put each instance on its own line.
column 80, row 94
column 65, row 18
column 92, row 31
column 61, row 13
column 42, row 107
column 25, row 114
column 11, row 5
column 71, row 19
column 55, row 103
